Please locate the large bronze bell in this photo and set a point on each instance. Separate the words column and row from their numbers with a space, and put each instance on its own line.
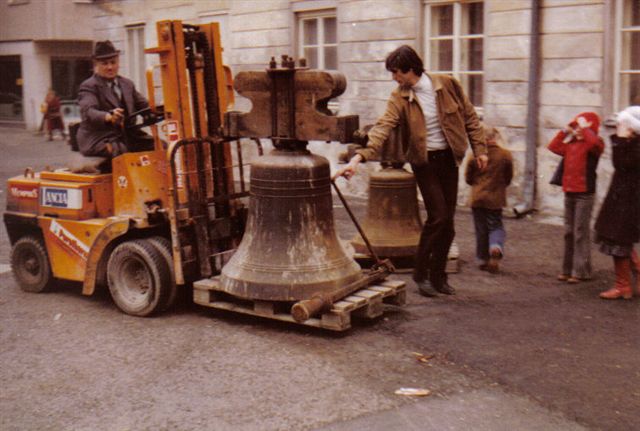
column 393, row 223
column 290, row 249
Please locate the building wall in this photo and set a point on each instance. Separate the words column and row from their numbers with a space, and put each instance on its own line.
column 45, row 19
column 574, row 77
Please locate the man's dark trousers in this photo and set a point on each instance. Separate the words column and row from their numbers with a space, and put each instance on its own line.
column 438, row 183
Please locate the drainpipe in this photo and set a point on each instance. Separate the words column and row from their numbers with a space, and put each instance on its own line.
column 533, row 108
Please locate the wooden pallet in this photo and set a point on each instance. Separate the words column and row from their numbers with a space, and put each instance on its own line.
column 405, row 264
column 453, row 266
column 366, row 303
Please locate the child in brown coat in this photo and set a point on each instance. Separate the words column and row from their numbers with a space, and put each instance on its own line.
column 488, row 197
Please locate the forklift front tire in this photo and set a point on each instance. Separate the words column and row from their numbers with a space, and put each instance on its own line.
column 30, row 265
column 139, row 278
column 163, row 245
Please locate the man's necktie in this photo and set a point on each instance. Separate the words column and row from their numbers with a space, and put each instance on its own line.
column 117, row 91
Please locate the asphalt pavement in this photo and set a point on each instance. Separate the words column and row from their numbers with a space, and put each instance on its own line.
column 517, row 350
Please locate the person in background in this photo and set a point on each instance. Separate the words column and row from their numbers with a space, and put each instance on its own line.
column 52, row 115
column 437, row 122
column 618, row 224
column 580, row 146
column 488, row 197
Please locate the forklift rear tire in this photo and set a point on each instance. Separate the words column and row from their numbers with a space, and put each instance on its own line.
column 139, row 278
column 30, row 265
column 163, row 245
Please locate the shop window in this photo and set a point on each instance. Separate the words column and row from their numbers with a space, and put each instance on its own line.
column 67, row 74
column 11, row 107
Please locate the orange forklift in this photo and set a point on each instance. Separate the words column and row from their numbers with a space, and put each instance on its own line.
column 161, row 219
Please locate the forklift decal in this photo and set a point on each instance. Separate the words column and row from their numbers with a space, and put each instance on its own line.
column 61, row 198
column 68, row 240
column 24, row 193
column 172, row 131
column 122, row 182
column 170, row 128
column 144, row 160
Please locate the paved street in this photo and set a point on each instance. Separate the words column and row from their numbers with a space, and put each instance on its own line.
column 517, row 350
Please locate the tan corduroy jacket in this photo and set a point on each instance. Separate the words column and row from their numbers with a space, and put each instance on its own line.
column 457, row 116
column 488, row 186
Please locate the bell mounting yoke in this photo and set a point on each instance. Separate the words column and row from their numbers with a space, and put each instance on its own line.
column 289, row 106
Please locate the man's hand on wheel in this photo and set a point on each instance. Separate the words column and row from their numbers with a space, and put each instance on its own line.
column 114, row 117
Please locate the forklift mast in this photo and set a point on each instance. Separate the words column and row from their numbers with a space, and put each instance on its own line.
column 205, row 212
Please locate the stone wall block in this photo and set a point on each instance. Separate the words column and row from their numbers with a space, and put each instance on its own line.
column 213, row 6
column 368, row 90
column 506, row 115
column 260, row 20
column 389, row 29
column 376, row 10
column 255, row 56
column 507, row 70
column 578, row 69
column 556, row 117
column 508, row 5
column 515, row 138
column 262, row 38
column 365, row 71
column 502, row 47
column 514, row 93
column 509, row 23
column 368, row 110
column 578, row 45
column 580, row 94
column 578, row 18
column 370, row 51
column 249, row 6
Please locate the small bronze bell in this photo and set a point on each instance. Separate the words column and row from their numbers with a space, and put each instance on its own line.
column 393, row 223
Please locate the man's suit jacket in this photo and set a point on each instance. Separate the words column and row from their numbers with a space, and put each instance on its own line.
column 96, row 99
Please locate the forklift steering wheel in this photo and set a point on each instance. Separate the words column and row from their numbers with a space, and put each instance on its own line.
column 148, row 118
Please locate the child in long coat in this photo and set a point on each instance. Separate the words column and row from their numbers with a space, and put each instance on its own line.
column 618, row 224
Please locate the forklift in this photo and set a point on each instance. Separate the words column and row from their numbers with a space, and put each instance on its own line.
column 162, row 218
column 168, row 220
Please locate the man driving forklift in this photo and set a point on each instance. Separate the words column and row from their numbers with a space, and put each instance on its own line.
column 106, row 100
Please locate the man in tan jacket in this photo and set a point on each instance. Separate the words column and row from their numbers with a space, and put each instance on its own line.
column 437, row 122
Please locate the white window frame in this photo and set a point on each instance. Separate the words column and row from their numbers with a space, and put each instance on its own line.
column 136, row 60
column 317, row 15
column 618, row 72
column 456, row 37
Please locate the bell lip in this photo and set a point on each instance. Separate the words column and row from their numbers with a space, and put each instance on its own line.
column 252, row 290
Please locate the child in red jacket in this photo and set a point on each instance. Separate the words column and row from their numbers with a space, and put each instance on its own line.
column 580, row 146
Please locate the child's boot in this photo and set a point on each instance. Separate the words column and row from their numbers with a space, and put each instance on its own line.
column 493, row 266
column 622, row 286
